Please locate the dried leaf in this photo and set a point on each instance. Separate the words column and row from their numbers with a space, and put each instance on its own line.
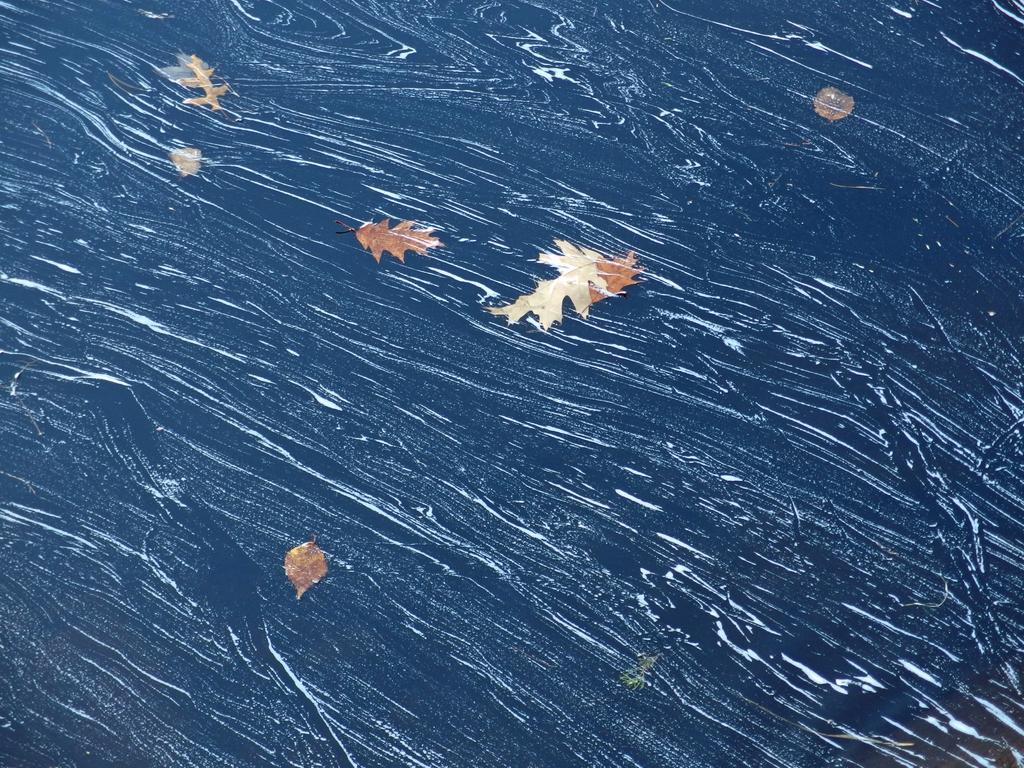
column 305, row 565
column 586, row 276
column 617, row 273
column 192, row 72
column 187, row 159
column 833, row 104
column 378, row 239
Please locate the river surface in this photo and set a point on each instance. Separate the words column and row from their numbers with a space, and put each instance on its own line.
column 782, row 474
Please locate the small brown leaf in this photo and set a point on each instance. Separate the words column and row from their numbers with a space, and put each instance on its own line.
column 187, row 160
column 833, row 104
column 617, row 273
column 304, row 566
column 378, row 239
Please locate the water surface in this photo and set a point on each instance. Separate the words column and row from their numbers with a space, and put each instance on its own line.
column 788, row 463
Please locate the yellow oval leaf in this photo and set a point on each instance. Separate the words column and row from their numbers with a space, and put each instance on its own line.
column 187, row 159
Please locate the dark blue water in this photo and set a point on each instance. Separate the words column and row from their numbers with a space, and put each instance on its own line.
column 788, row 463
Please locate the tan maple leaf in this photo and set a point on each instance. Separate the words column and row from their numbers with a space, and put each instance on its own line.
column 586, row 276
column 192, row 72
column 304, row 566
column 380, row 238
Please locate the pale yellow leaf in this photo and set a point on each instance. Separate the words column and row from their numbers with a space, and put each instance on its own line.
column 187, row 160
column 585, row 276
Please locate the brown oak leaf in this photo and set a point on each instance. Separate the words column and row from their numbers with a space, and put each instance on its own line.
column 192, row 72
column 378, row 238
column 305, row 565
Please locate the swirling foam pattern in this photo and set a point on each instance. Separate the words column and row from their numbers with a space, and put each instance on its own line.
column 789, row 463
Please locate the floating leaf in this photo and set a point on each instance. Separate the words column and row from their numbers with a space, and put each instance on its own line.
column 187, row 160
column 833, row 104
column 305, row 565
column 586, row 276
column 192, row 72
column 617, row 273
column 378, row 239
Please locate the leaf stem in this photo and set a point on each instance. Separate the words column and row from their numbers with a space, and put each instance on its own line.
column 346, row 226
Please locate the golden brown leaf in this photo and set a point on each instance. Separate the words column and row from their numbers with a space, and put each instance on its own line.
column 586, row 276
column 305, row 565
column 378, row 239
column 192, row 72
column 187, row 160
column 833, row 104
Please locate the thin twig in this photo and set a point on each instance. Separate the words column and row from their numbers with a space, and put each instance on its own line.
column 15, row 377
column 945, row 596
column 20, row 480
column 45, row 136
column 126, row 87
column 1005, row 229
column 28, row 413
column 856, row 186
column 849, row 736
column 539, row 659
column 888, row 550
column 16, row 396
column 945, row 584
